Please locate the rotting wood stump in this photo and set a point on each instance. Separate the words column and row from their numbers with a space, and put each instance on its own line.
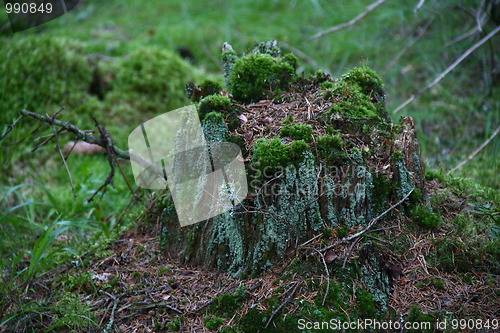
column 320, row 154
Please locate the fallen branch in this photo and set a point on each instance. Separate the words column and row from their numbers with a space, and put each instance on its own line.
column 372, row 222
column 288, row 299
column 475, row 152
column 82, row 135
column 11, row 127
column 447, row 70
column 355, row 20
column 326, row 271
column 409, row 45
column 108, row 145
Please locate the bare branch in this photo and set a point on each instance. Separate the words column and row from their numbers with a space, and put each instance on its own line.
column 460, row 38
column 288, row 299
column 447, row 70
column 82, row 135
column 108, row 145
column 11, row 127
column 355, row 20
column 475, row 152
column 409, row 45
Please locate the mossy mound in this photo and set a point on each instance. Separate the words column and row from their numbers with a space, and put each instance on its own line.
column 41, row 73
column 150, row 80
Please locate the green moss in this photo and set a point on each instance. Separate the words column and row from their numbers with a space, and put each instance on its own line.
column 333, row 298
column 425, row 218
column 253, row 321
column 210, row 87
column 271, row 153
column 370, row 84
column 366, row 304
column 437, row 283
column 211, row 103
column 467, row 253
column 330, row 148
column 297, row 132
column 415, row 196
column 259, row 76
column 41, row 73
column 224, row 305
column 297, row 150
column 150, row 79
column 431, row 174
column 397, row 155
column 342, row 232
column 174, row 325
column 289, row 120
column 319, row 77
column 213, row 323
column 350, row 101
column 292, row 60
column 382, row 190
column 327, row 85
column 417, row 316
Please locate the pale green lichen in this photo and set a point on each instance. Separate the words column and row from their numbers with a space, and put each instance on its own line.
column 329, row 191
column 214, row 127
column 295, row 211
column 375, row 278
column 404, row 177
column 229, row 58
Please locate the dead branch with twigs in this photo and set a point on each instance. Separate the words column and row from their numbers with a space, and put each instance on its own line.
column 104, row 141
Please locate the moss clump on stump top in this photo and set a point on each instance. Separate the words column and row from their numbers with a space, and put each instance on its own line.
column 259, row 76
column 359, row 93
column 262, row 74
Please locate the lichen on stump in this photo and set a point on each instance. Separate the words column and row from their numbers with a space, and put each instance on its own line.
column 320, row 154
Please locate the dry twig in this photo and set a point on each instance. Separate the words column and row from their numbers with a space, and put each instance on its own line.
column 475, row 152
column 355, row 20
column 447, row 70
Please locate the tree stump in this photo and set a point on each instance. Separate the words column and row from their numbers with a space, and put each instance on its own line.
column 321, row 155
